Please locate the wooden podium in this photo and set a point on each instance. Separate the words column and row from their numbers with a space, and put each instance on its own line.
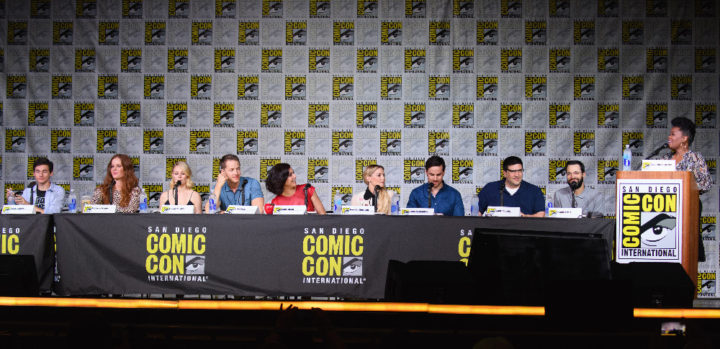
column 690, row 213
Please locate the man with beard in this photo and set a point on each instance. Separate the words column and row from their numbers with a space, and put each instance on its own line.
column 513, row 191
column 576, row 194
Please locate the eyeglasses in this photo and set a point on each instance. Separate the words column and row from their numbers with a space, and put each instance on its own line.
column 516, row 171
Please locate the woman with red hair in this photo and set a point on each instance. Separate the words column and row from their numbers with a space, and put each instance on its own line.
column 120, row 186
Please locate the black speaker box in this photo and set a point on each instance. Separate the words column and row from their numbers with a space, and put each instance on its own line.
column 657, row 284
column 439, row 282
column 18, row 277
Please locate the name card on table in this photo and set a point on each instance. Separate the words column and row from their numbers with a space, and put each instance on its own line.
column 502, row 211
column 358, row 210
column 417, row 211
column 93, row 208
column 658, row 165
column 289, row 209
column 177, row 209
column 565, row 212
column 237, row 209
column 18, row 209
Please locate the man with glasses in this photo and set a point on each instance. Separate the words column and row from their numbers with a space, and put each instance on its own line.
column 513, row 191
column 576, row 194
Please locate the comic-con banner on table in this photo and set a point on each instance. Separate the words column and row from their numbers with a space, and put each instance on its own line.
column 30, row 235
column 258, row 255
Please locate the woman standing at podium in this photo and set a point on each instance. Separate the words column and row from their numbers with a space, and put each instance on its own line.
column 120, row 186
column 682, row 135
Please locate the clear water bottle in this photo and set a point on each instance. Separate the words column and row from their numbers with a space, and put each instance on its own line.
column 627, row 159
column 474, row 209
column 212, row 204
column 548, row 206
column 395, row 208
column 72, row 202
column 11, row 199
column 337, row 204
column 143, row 202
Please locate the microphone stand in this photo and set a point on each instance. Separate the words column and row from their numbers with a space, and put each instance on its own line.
column 32, row 193
column 502, row 192
column 176, row 192
column 110, row 190
column 377, row 196
column 242, row 192
column 430, row 187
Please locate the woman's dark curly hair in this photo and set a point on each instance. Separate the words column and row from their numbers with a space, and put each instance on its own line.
column 686, row 126
column 276, row 178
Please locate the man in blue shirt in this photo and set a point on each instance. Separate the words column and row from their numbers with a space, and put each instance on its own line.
column 435, row 193
column 45, row 196
column 232, row 189
column 513, row 191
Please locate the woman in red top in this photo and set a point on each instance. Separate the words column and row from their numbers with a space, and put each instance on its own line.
column 281, row 182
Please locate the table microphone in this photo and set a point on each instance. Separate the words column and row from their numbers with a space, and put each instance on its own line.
column 242, row 190
column 176, row 191
column 502, row 191
column 110, row 190
column 431, row 185
column 31, row 185
column 377, row 195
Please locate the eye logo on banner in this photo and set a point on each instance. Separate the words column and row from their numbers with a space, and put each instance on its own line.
column 225, row 8
column 535, row 143
column 367, row 8
column 560, row 59
column 707, row 285
column 559, row 115
column 109, row 33
column 511, row 60
column 38, row 113
column 656, row 115
column 487, row 33
column 265, row 165
column 17, row 32
column 487, row 87
column 438, row 143
column 608, row 115
column 559, row 8
column 38, row 8
column 318, row 170
column 200, row 86
column 606, row 171
column 203, row 190
column 487, row 143
column 391, row 87
column 343, row 87
column 344, row 191
column 153, row 141
column 635, row 140
column 343, row 33
column 463, row 115
column 319, row 61
column 584, row 32
column 271, row 61
column 323, row 265
column 633, row 32
column 390, row 142
column 681, row 87
column 319, row 8
column 136, row 164
column 176, row 256
column 39, row 61
column 366, row 115
column 705, row 115
column 176, row 114
column 462, row 171
column 658, row 152
column 154, row 190
column 463, row 9
column 247, row 142
column 61, row 86
column 62, row 33
column 439, row 87
column 463, row 60
column 169, row 164
column 60, row 141
column 511, row 115
column 414, row 171
column 535, row 32
column 414, row 115
column 342, row 142
column 224, row 60
column 294, row 143
column 584, row 143
column 202, row 33
column 295, row 87
column 223, row 115
column 440, row 33
column 154, row 86
column 271, row 115
column 584, row 88
column 15, row 140
column 391, row 33
column 705, row 59
column 681, row 32
column 360, row 165
column 557, row 171
column 367, row 60
column 319, row 115
column 249, row 33
column 707, row 228
column 510, row 8
column 132, row 8
column 178, row 8
column 272, row 8
column 295, row 33
column 633, row 87
column 107, row 87
column 130, row 114
column 200, row 141
column 535, row 87
column 16, row 86
column 131, row 60
column 656, row 8
column 83, row 168
column 107, row 141
column 608, row 60
column 248, row 87
column 84, row 114
column 155, row 33
column 656, row 60
column 415, row 8
column 608, row 8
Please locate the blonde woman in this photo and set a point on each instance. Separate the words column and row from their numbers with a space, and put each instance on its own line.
column 375, row 194
column 182, row 174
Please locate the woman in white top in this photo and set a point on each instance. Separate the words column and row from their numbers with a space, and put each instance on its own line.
column 375, row 194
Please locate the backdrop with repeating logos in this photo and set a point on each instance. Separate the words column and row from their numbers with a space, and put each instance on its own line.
column 332, row 86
